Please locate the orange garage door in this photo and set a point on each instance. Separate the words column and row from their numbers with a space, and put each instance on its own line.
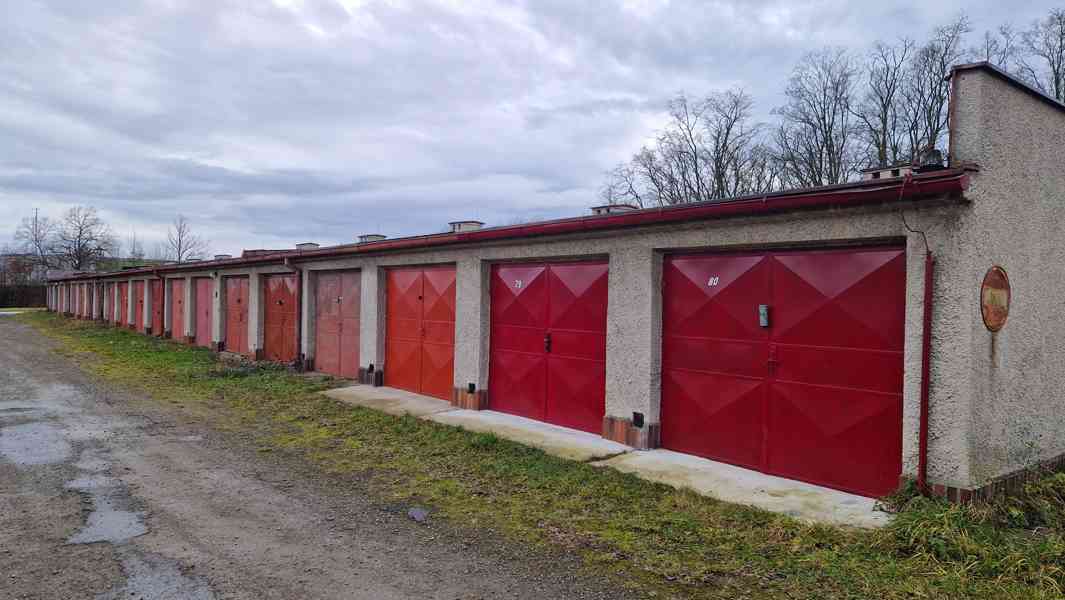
column 420, row 330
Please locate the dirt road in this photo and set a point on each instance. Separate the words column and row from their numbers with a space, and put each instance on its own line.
column 106, row 495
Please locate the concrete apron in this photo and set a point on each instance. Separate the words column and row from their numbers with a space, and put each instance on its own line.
column 728, row 483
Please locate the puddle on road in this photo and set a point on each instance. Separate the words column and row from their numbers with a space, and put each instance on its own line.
column 152, row 576
column 111, row 520
column 34, row 444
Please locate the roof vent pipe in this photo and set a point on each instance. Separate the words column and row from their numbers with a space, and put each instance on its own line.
column 459, row 226
column 222, row 256
column 306, row 246
column 371, row 237
column 608, row 209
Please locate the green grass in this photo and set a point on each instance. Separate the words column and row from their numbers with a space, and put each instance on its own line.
column 667, row 542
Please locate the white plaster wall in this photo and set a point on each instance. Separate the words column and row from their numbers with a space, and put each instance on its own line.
column 1017, row 221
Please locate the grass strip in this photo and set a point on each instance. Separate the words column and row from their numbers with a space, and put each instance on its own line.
column 665, row 542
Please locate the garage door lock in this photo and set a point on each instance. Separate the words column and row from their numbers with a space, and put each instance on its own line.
column 763, row 315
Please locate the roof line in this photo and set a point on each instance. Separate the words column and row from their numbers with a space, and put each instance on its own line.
column 944, row 182
column 1011, row 79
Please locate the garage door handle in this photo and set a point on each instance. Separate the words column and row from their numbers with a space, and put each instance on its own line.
column 547, row 342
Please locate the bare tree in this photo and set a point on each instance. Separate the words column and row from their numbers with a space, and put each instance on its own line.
column 83, row 239
column 708, row 150
column 816, row 140
column 181, row 243
column 36, row 236
column 999, row 47
column 1044, row 62
column 927, row 91
column 879, row 109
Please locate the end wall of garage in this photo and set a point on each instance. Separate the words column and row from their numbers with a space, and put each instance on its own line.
column 1016, row 221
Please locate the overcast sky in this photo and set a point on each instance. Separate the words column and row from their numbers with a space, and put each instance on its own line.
column 269, row 123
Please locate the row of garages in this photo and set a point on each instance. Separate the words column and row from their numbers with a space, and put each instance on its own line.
column 788, row 361
column 842, row 335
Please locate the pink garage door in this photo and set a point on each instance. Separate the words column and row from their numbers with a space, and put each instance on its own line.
column 548, row 340
column 204, row 310
column 336, row 340
column 788, row 362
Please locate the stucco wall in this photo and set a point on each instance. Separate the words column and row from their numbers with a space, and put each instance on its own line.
column 634, row 311
column 1017, row 221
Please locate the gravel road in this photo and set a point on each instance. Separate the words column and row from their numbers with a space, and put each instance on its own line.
column 108, row 495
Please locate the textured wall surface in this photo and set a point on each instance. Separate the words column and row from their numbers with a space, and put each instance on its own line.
column 634, row 311
column 1017, row 376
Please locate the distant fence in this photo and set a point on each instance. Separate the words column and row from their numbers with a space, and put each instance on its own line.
column 22, row 295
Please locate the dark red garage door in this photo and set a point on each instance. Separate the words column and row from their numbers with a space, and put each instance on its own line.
column 123, row 302
column 279, row 318
column 420, row 330
column 336, row 340
column 815, row 392
column 204, row 310
column 236, row 314
column 548, row 342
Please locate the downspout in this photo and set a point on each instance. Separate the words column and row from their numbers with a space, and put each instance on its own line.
column 926, row 349
column 926, row 362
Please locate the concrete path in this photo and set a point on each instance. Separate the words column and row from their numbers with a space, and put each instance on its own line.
column 803, row 501
column 556, row 441
column 742, row 486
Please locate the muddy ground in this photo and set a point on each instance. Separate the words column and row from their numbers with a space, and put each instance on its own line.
column 104, row 494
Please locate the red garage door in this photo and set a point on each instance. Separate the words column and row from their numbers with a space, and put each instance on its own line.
column 336, row 340
column 138, row 305
column 420, row 330
column 204, row 310
column 237, row 314
column 548, row 357
column 123, row 302
column 177, row 309
column 279, row 318
column 813, row 391
column 157, row 307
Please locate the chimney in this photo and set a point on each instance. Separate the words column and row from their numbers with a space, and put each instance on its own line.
column 874, row 173
column 609, row 209
column 460, row 226
column 371, row 237
column 306, row 246
column 222, row 256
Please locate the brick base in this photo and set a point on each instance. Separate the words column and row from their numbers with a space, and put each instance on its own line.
column 375, row 378
column 622, row 430
column 1004, row 485
column 462, row 398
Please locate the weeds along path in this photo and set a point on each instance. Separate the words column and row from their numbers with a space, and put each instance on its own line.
column 259, row 448
column 116, row 493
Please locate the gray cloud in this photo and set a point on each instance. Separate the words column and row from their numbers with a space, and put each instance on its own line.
column 270, row 123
